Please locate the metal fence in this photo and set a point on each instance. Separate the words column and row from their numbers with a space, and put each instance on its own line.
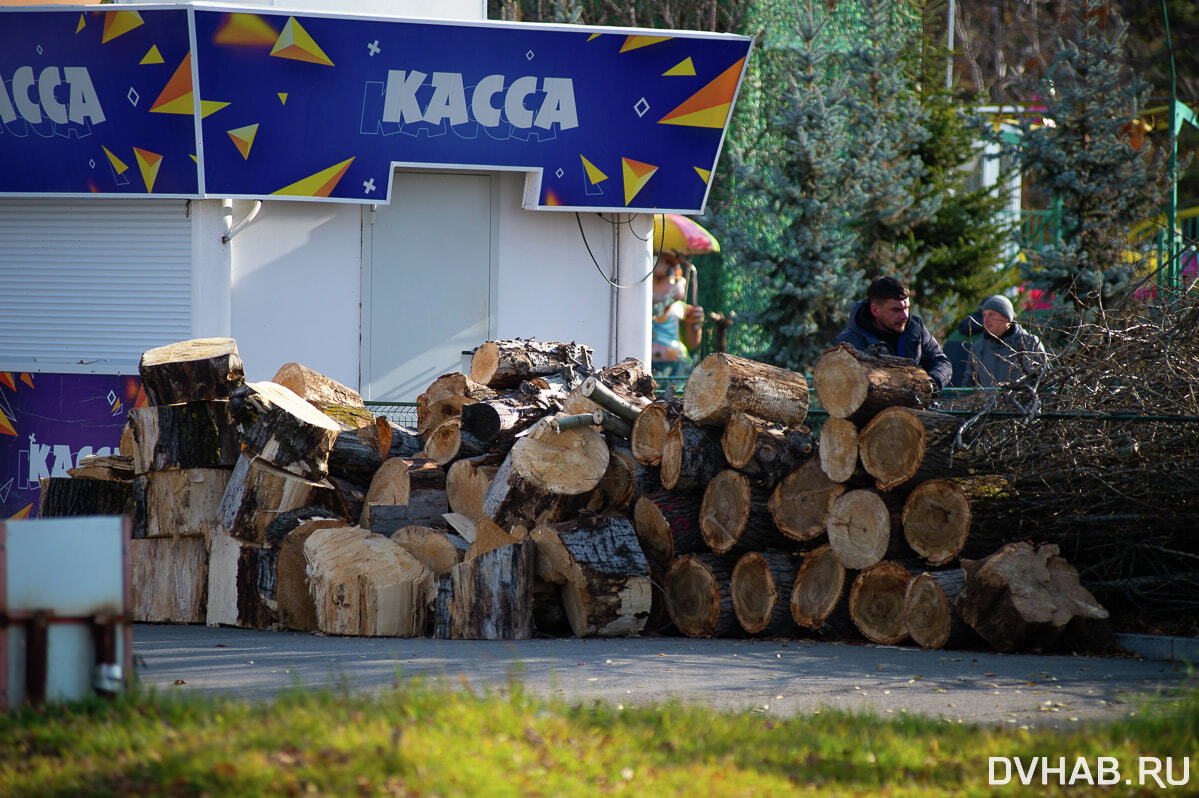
column 402, row 413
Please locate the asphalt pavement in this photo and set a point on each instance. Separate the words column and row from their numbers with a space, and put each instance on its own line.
column 778, row 677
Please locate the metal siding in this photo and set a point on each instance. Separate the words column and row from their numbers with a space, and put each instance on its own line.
column 91, row 284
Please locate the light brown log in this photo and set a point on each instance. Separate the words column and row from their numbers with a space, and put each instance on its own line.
column 505, row 364
column 233, row 595
column 876, row 602
column 367, row 585
column 653, row 424
column 839, row 448
column 191, row 435
column 607, row 588
column 761, row 582
column 502, row 418
column 467, row 481
column 188, row 371
column 296, row 608
column 283, row 429
column 1023, row 597
column 817, row 588
column 691, row 456
column 70, row 496
column 390, row 485
column 447, row 442
column 667, row 524
column 853, row 384
column 492, row 595
column 631, row 378
column 257, row 492
column 168, row 578
column 700, row 596
column 182, row 502
column 488, row 536
column 936, row 520
column 316, row 388
column 765, row 450
column 735, row 516
column 902, row 447
column 115, row 467
column 800, row 504
column 439, row 550
column 928, row 607
column 445, row 398
column 863, row 526
column 623, row 394
column 622, row 483
column 722, row 383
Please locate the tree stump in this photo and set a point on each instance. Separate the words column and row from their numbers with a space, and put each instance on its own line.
column 233, row 595
column 699, row 590
column 735, row 516
column 901, row 446
column 168, row 578
column 293, row 599
column 722, row 383
column 607, row 591
column 800, row 504
column 876, row 602
column 667, row 524
column 816, row 591
column 191, row 435
column 856, row 385
column 505, row 364
column 863, row 527
column 691, row 456
column 936, row 520
column 492, row 595
column 182, row 503
column 764, row 450
column 648, row 437
column 761, row 582
column 839, row 448
column 201, row 369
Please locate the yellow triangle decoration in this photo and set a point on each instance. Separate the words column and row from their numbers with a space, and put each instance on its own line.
column 243, row 139
column 118, row 23
column 148, row 163
column 117, row 164
column 295, row 43
column 636, row 175
column 193, row 157
column 282, row 97
column 152, row 57
column 637, row 42
column 593, row 172
column 709, row 117
column 704, row 174
column 684, row 68
column 82, row 22
column 320, row 184
column 23, row 514
column 6, row 426
column 210, row 107
column 594, row 36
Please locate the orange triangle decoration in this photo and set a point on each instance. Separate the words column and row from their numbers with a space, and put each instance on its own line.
column 118, row 23
column 27, row 378
column 552, row 200
column 7, row 381
column 118, row 165
column 636, row 175
column 704, row 174
column 320, row 184
column 243, row 139
column 23, row 514
column 176, row 96
column 708, row 107
column 684, row 68
column 637, row 42
column 82, row 22
column 148, row 163
column 6, row 427
column 152, row 57
column 593, row 172
column 295, row 43
column 245, row 30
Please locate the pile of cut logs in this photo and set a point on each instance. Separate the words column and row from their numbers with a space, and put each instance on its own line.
column 539, row 494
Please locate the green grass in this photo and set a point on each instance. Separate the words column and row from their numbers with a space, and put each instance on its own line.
column 416, row 740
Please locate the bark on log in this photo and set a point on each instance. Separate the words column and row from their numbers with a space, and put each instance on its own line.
column 115, row 467
column 735, row 516
column 691, row 456
column 928, row 608
column 448, row 442
column 182, row 503
column 864, row 527
column 258, row 491
column 876, row 602
column 493, row 595
column 389, row 486
column 201, row 369
column 839, row 448
column 761, row 584
column 70, row 496
column 902, row 447
column 800, row 504
column 439, row 550
column 1023, row 598
column 316, row 388
column 936, row 520
column 817, row 588
column 723, row 383
column 853, row 384
column 168, row 578
column 765, row 450
column 653, row 424
column 425, row 507
column 293, row 598
column 191, row 435
column 500, row 419
column 505, row 364
column 355, row 457
column 444, row 399
column 467, row 481
column 626, row 405
column 607, row 590
column 699, row 589
column 667, row 524
column 283, row 429
column 233, row 595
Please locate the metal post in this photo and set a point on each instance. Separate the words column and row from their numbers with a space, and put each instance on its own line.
column 1171, row 276
column 949, row 45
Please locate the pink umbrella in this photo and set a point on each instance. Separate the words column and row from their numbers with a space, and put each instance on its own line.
column 683, row 235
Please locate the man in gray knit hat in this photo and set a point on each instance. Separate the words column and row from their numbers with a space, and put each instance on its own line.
column 1004, row 351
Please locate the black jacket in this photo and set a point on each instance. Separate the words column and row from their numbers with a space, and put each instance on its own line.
column 915, row 343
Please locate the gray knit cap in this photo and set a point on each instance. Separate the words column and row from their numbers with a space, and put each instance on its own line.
column 1001, row 305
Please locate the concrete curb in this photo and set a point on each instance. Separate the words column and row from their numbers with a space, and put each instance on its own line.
column 1165, row 648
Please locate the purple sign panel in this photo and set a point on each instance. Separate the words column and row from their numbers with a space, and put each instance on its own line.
column 48, row 422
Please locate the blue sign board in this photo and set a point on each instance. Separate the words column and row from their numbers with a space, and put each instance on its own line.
column 204, row 101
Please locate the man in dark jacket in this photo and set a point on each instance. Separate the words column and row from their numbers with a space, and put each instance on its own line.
column 1005, row 351
column 957, row 348
column 882, row 319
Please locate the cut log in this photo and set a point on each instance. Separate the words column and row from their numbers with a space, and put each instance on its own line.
column 722, row 383
column 445, row 398
column 296, row 609
column 876, row 602
column 902, row 447
column 800, row 504
column 607, row 589
column 764, row 450
column 316, row 388
column 928, row 607
column 700, row 594
column 667, row 524
column 425, row 507
column 505, row 364
column 168, row 578
column 622, row 483
column 760, row 585
column 367, row 585
column 115, row 467
column 817, row 588
column 283, row 429
column 258, row 491
column 501, row 418
column 853, row 384
column 439, row 550
column 201, row 369
column 839, row 448
column 70, row 496
column 691, row 456
column 355, row 456
column 448, row 442
column 625, row 405
column 630, row 378
column 735, row 516
column 1022, row 598
column 492, row 595
column 653, row 424
column 489, row 536
column 183, row 503
column 863, row 527
column 936, row 520
column 389, row 486
column 233, row 575
column 467, row 481
column 191, row 435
